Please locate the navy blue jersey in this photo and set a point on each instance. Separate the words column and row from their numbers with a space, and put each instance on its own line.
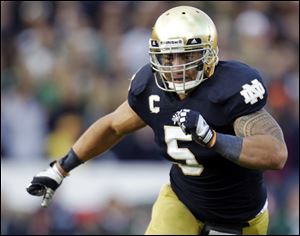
column 213, row 188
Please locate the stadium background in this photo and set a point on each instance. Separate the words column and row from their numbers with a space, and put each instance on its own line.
column 65, row 64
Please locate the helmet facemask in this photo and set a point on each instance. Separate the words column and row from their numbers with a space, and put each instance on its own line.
column 179, row 69
column 179, row 31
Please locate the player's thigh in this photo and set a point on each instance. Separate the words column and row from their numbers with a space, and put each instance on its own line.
column 171, row 216
column 258, row 225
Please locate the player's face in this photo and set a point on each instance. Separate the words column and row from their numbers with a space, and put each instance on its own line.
column 179, row 61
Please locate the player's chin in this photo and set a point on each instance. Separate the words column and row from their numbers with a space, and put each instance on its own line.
column 180, row 81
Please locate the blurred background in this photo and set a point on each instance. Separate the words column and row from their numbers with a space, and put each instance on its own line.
column 65, row 64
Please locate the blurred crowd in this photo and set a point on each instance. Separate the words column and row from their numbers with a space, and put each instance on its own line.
column 64, row 64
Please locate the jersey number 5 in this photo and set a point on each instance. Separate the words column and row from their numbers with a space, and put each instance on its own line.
column 191, row 166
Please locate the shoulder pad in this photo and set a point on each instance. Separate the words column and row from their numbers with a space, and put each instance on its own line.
column 140, row 80
column 231, row 76
column 239, row 89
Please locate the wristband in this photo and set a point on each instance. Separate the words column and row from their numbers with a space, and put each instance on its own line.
column 229, row 146
column 70, row 161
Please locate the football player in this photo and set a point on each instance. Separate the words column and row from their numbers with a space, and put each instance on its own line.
column 208, row 118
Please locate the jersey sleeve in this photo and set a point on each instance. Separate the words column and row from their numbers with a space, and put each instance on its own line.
column 137, row 91
column 242, row 93
column 251, row 98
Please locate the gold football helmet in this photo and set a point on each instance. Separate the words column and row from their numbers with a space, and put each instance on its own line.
column 183, row 40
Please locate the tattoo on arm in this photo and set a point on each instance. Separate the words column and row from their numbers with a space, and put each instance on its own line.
column 260, row 122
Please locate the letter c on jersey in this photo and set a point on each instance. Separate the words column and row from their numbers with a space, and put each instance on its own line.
column 152, row 99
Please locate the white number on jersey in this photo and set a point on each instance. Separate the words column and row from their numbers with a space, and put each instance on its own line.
column 172, row 134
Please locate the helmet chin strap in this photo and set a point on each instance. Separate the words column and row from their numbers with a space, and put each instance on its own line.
column 183, row 88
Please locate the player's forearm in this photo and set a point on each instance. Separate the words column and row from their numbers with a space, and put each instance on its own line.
column 101, row 136
column 263, row 152
column 98, row 138
column 257, row 152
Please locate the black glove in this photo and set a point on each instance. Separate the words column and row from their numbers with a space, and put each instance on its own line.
column 191, row 122
column 45, row 183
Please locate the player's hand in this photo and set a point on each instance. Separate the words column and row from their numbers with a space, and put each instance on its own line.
column 45, row 183
column 191, row 122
